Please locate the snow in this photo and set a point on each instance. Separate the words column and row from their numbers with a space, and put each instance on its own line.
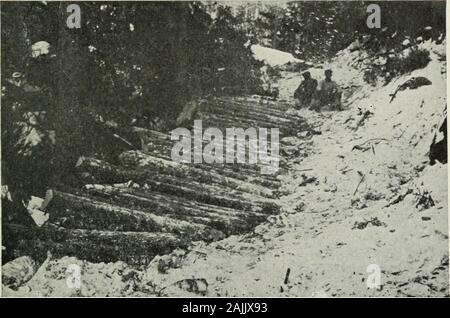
column 34, row 208
column 40, row 48
column 271, row 56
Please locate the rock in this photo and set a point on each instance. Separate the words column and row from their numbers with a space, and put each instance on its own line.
column 331, row 188
column 373, row 196
column 173, row 260
column 412, row 83
column 362, row 225
column 438, row 147
column 306, row 180
column 17, row 272
column 193, row 285
column 359, row 203
column 300, row 207
column 34, row 208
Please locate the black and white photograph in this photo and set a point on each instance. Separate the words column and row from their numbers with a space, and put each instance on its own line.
column 224, row 149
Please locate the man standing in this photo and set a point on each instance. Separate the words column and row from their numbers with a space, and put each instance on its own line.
column 328, row 94
column 305, row 91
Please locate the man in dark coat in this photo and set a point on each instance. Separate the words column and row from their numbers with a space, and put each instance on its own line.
column 306, row 90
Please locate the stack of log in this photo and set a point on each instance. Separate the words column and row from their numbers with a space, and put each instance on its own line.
column 148, row 205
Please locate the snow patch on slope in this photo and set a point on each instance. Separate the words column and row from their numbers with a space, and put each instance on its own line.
column 273, row 57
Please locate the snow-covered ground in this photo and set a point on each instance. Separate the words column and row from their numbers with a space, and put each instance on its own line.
column 347, row 209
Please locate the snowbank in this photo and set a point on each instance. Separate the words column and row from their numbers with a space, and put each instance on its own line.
column 273, row 57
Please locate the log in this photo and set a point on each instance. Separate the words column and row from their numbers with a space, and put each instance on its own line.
column 227, row 119
column 258, row 117
column 246, row 105
column 159, row 146
column 228, row 221
column 72, row 211
column 256, row 102
column 136, row 248
column 249, row 208
column 244, row 178
column 247, row 108
column 97, row 171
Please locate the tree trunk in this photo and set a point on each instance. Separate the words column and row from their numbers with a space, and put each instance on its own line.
column 229, row 221
column 72, row 211
column 70, row 113
column 97, row 171
column 95, row 246
column 215, row 174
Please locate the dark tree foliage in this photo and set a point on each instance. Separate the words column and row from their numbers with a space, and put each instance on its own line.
column 316, row 30
column 402, row 20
